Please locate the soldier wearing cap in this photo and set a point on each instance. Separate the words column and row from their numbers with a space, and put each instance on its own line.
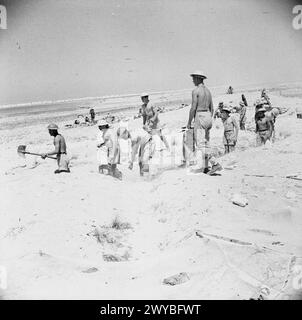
column 231, row 129
column 151, row 119
column 258, row 105
column 140, row 145
column 202, row 111
column 264, row 127
column 108, row 151
column 271, row 114
column 60, row 149
column 142, row 110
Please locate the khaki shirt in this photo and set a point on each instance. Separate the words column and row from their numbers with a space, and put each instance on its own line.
column 109, row 140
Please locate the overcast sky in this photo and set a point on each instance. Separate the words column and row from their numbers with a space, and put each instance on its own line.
column 57, row 49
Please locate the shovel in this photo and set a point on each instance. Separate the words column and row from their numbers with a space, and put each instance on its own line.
column 22, row 151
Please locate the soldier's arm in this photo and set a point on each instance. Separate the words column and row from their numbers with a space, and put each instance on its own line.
column 211, row 106
column 270, row 127
column 193, row 108
column 112, row 149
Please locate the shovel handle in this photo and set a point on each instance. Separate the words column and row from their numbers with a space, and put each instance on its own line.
column 38, row 154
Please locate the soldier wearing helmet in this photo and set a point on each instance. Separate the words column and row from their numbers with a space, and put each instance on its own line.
column 108, row 150
column 231, row 129
column 60, row 149
column 202, row 112
column 264, row 128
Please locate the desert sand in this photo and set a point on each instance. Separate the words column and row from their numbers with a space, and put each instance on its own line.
column 88, row 236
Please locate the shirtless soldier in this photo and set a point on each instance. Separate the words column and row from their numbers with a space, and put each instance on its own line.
column 202, row 113
column 151, row 119
column 60, row 149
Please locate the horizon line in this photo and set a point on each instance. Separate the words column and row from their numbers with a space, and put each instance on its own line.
column 69, row 100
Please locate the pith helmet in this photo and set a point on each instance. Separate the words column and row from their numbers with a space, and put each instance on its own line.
column 52, row 126
column 227, row 108
column 199, row 74
column 258, row 102
column 102, row 123
column 262, row 109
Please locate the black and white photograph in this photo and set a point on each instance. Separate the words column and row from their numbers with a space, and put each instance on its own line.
column 150, row 150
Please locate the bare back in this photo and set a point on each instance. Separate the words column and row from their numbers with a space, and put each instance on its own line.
column 60, row 144
column 204, row 98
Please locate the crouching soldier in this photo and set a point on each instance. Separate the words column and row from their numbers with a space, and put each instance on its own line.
column 60, row 149
column 231, row 129
column 140, row 145
column 108, row 153
column 264, row 127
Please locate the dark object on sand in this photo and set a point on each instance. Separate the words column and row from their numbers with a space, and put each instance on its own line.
column 22, row 151
column 110, row 170
column 90, row 270
column 176, row 279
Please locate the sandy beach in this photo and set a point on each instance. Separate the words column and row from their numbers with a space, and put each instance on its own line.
column 88, row 236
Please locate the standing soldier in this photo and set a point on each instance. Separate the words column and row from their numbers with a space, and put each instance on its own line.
column 231, row 129
column 151, row 119
column 202, row 111
column 242, row 113
column 264, row 127
column 230, row 90
column 60, row 149
column 108, row 153
column 92, row 115
column 142, row 110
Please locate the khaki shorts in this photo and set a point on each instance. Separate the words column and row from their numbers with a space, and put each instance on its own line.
column 229, row 138
column 63, row 162
column 202, row 127
column 262, row 137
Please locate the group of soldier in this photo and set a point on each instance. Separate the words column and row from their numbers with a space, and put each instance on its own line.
column 200, row 122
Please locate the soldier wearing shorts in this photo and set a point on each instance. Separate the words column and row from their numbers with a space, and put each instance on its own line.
column 60, row 149
column 202, row 113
